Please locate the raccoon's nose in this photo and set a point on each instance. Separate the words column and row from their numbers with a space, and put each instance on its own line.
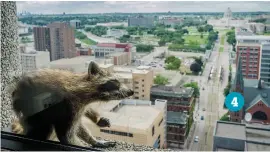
column 130, row 92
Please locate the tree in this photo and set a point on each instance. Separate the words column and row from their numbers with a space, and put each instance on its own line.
column 161, row 42
column 200, row 29
column 160, row 80
column 201, row 35
column 196, row 88
column 144, row 48
column 195, row 67
column 208, row 28
column 172, row 63
column 199, row 60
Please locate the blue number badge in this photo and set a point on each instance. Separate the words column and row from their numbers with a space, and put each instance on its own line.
column 234, row 101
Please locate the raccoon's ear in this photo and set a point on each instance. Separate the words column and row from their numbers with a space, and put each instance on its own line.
column 93, row 69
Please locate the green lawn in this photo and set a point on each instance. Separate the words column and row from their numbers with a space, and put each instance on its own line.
column 222, row 39
column 193, row 31
column 267, row 34
column 88, row 41
column 196, row 39
column 221, row 49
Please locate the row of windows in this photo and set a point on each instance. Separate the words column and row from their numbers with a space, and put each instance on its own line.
column 117, row 133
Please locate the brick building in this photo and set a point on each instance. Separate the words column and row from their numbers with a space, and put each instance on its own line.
column 250, row 49
column 107, row 50
column 256, row 95
column 179, row 105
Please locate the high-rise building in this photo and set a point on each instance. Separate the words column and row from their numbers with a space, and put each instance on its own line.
column 58, row 38
column 62, row 41
column 133, row 121
column 75, row 23
column 42, row 38
column 33, row 60
column 265, row 63
column 141, row 21
column 250, row 50
column 143, row 78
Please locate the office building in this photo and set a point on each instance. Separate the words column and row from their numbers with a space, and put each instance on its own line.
column 256, row 96
column 250, row 48
column 42, row 38
column 62, row 40
column 106, row 50
column 33, row 60
column 75, row 23
column 141, row 21
column 132, row 121
column 143, row 79
column 116, row 33
column 230, row 136
column 257, row 28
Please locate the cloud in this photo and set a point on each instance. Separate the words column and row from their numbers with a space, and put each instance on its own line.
column 56, row 7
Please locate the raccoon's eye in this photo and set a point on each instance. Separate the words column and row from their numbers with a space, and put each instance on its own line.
column 110, row 85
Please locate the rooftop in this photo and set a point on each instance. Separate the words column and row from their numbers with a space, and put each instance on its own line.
column 114, row 45
column 172, row 91
column 230, row 130
column 252, row 37
column 248, row 44
column 132, row 114
column 75, row 60
column 105, row 65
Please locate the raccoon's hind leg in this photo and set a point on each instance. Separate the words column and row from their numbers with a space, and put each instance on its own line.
column 86, row 135
column 94, row 116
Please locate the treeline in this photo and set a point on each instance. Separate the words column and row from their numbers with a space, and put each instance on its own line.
column 144, row 48
column 97, row 30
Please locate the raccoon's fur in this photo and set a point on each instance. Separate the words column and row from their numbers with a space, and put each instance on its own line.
column 71, row 94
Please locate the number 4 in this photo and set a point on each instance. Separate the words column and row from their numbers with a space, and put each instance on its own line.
column 234, row 102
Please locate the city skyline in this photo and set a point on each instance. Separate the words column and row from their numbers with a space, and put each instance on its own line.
column 58, row 7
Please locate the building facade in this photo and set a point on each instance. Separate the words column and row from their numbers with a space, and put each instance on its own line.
column 179, row 103
column 42, row 38
column 171, row 20
column 133, row 121
column 107, row 50
column 32, row 60
column 75, row 23
column 62, row 40
column 141, row 21
column 265, row 63
column 256, row 96
column 143, row 79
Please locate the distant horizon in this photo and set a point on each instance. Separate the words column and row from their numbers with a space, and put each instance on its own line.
column 109, row 7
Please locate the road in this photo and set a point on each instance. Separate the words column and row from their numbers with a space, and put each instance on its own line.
column 211, row 98
column 99, row 39
column 150, row 57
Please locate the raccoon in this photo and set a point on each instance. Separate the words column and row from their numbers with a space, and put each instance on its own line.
column 50, row 99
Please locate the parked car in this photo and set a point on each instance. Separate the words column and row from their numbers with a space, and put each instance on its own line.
column 202, row 117
column 196, row 139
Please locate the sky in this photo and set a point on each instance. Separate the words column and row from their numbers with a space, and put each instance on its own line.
column 72, row 7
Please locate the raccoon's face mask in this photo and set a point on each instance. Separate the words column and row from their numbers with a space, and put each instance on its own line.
column 108, row 88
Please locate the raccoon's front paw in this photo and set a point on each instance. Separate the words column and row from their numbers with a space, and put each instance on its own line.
column 104, row 122
column 104, row 144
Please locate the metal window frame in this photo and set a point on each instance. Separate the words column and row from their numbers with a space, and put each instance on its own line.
column 15, row 142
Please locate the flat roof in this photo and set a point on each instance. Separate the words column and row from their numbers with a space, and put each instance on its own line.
column 258, row 134
column 124, row 75
column 130, row 116
column 105, row 65
column 253, row 37
column 75, row 60
column 230, row 130
column 257, row 147
column 248, row 44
